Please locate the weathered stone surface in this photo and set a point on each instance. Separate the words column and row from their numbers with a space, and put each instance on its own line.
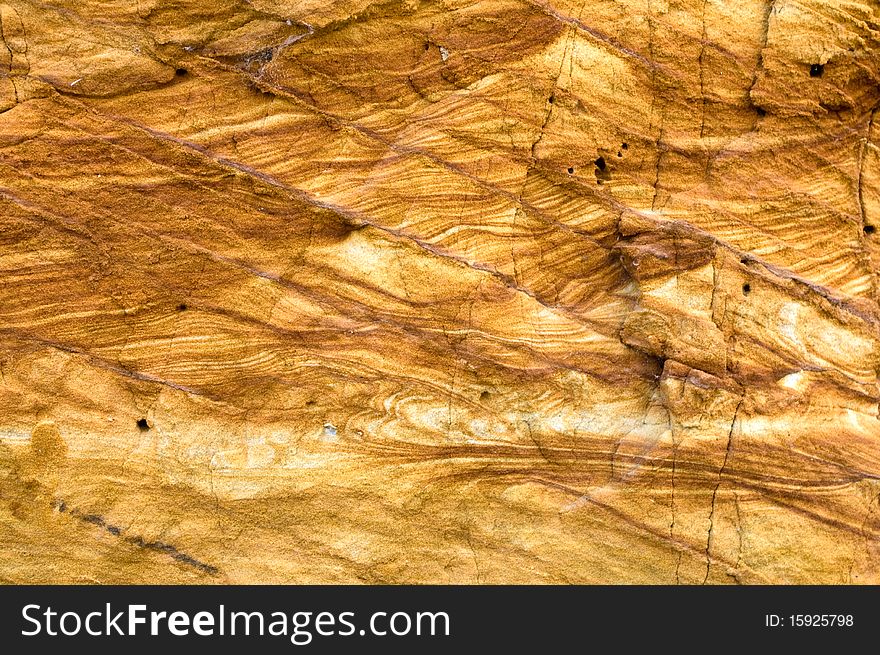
column 499, row 291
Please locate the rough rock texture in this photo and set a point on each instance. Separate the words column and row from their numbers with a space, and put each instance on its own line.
column 440, row 291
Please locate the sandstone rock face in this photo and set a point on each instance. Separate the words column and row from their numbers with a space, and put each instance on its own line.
column 467, row 291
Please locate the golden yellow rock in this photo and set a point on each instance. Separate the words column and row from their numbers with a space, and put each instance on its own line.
column 499, row 291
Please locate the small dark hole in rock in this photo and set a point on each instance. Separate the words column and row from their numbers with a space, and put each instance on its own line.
column 816, row 70
column 624, row 145
column 182, row 307
column 427, row 46
column 142, row 424
column 484, row 395
column 747, row 289
column 761, row 111
column 869, row 229
column 619, row 154
column 551, row 99
column 570, row 170
column 180, row 72
column 311, row 403
column 600, row 163
column 600, row 182
column 744, row 260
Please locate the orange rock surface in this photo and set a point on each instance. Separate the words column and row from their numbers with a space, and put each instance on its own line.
column 454, row 291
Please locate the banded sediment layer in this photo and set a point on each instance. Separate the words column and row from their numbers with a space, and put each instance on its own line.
column 440, row 291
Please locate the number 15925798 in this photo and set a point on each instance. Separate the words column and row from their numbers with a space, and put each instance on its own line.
column 809, row 621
